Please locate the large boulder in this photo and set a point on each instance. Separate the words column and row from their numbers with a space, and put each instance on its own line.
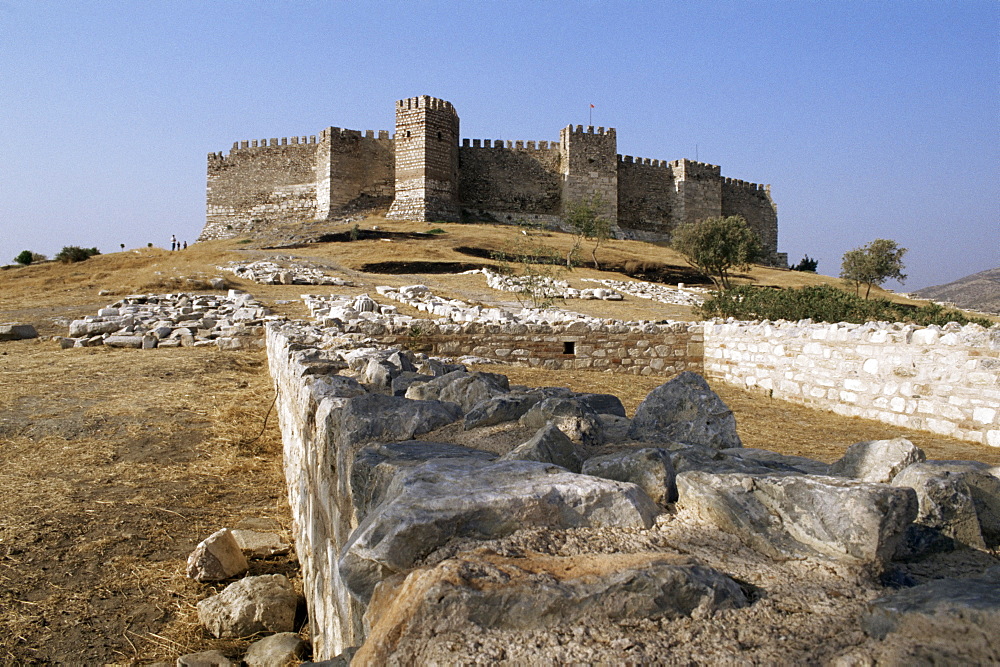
column 461, row 387
column 255, row 604
column 942, row 622
column 539, row 592
column 779, row 462
column 685, row 410
column 695, row 458
column 501, row 408
column 877, row 460
column 959, row 499
column 574, row 418
column 380, row 418
column 800, row 516
column 649, row 468
column 548, row 445
column 284, row 648
column 602, row 404
column 377, row 465
column 428, row 505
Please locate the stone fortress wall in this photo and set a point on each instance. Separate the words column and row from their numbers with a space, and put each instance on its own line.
column 424, row 171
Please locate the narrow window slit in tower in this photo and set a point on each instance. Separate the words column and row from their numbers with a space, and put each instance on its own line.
column 569, row 347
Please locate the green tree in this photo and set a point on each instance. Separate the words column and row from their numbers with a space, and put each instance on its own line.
column 717, row 246
column 873, row 264
column 25, row 257
column 807, row 264
column 588, row 224
column 531, row 266
column 72, row 253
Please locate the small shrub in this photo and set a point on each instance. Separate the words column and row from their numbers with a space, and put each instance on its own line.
column 436, row 230
column 72, row 253
column 823, row 304
column 807, row 264
column 25, row 257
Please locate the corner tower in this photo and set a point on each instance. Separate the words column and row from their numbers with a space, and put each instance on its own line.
column 426, row 146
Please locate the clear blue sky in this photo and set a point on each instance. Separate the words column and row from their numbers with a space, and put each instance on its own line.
column 869, row 119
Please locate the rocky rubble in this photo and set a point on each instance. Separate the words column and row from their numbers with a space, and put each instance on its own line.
column 689, row 296
column 287, row 272
column 148, row 321
column 483, row 536
column 549, row 288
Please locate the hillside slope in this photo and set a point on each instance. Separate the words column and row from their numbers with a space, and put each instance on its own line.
column 980, row 291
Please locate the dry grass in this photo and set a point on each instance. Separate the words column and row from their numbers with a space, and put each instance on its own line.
column 117, row 462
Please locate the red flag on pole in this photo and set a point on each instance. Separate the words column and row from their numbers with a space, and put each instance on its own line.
column 591, row 106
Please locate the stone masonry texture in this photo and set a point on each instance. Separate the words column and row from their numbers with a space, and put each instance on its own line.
column 425, row 171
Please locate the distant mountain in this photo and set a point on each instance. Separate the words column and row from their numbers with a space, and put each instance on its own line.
column 980, row 291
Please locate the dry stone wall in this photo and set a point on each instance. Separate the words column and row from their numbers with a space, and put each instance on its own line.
column 942, row 380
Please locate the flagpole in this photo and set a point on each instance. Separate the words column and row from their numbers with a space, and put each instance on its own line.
column 591, row 117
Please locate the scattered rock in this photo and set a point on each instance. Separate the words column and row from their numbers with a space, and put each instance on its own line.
column 877, row 460
column 266, row 603
column 260, row 545
column 501, row 408
column 461, row 387
column 947, row 621
column 549, row 445
column 685, row 410
column 17, row 331
column 650, row 469
column 572, row 417
column 779, row 462
column 216, row 558
column 796, row 516
column 284, row 648
column 376, row 417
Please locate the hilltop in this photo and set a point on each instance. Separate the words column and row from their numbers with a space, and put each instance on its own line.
column 117, row 462
column 980, row 291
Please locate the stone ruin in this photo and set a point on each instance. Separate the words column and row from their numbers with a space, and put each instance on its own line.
column 443, row 514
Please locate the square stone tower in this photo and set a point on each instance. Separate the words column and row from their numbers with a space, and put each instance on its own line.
column 426, row 145
column 589, row 166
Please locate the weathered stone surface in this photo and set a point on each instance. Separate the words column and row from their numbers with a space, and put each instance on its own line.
column 461, row 387
column 124, row 341
column 685, row 410
column 260, row 545
column 17, row 331
column 960, row 499
column 378, row 374
column 375, row 417
column 284, row 648
column 340, row 386
column 602, row 404
column 488, row 591
column 572, row 417
column 216, row 558
column 501, row 408
column 402, row 382
column 704, row 459
column 255, row 604
column 549, row 445
column 205, row 659
column 439, row 500
column 81, row 328
column 942, row 622
column 877, row 460
column 376, row 466
column 796, row 516
column 779, row 462
column 649, row 468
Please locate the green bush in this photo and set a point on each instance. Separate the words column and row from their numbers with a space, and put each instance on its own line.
column 25, row 257
column 823, row 304
column 72, row 253
column 807, row 264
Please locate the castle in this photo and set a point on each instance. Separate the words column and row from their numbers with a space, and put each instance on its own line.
column 425, row 172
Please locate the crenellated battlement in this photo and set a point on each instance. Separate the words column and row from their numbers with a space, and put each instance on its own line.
column 332, row 133
column 424, row 102
column 424, row 170
column 516, row 145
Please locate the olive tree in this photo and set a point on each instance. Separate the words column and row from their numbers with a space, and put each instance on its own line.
column 588, row 224
column 873, row 264
column 717, row 246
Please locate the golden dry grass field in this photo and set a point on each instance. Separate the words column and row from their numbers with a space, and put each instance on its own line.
column 115, row 463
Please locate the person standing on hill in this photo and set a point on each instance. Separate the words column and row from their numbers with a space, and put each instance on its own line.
column 173, row 242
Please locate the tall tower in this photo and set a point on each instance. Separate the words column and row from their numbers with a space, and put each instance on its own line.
column 426, row 146
column 589, row 166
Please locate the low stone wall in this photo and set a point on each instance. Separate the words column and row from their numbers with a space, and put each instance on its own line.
column 943, row 380
column 648, row 349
